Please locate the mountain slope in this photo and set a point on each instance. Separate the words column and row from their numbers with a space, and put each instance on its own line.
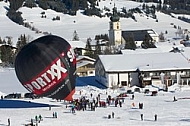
column 85, row 26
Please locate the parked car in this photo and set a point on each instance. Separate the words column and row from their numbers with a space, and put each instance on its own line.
column 129, row 92
column 30, row 95
column 13, row 95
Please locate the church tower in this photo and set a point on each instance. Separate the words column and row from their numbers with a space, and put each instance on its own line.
column 115, row 29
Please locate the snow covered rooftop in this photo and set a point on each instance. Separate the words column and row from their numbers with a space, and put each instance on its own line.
column 85, row 57
column 84, row 60
column 83, row 63
column 77, row 44
column 144, row 62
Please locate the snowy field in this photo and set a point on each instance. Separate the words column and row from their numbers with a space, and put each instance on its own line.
column 168, row 112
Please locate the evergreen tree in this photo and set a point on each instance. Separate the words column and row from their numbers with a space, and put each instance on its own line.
column 107, row 50
column 75, row 36
column 161, row 37
column 153, row 9
column 187, row 37
column 130, row 43
column 7, row 54
column 15, row 4
column 13, row 12
column 83, row 4
column 159, row 6
column 22, row 41
column 147, row 9
column 30, row 3
column 1, row 42
column 88, row 48
column 97, row 49
column 143, row 6
column 4, row 42
column 75, row 5
column 9, row 41
column 147, row 43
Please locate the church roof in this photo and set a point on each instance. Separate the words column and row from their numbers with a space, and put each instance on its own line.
column 138, row 35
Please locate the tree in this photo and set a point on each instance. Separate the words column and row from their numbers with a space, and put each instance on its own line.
column 97, row 49
column 147, row 42
column 7, row 53
column 88, row 48
column 22, row 41
column 13, row 12
column 107, row 50
column 9, row 41
column 187, row 37
column 153, row 9
column 161, row 36
column 4, row 41
column 143, row 6
column 1, row 42
column 30, row 3
column 75, row 36
column 15, row 4
column 130, row 43
column 159, row 5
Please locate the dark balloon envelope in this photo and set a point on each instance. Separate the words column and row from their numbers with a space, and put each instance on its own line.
column 46, row 67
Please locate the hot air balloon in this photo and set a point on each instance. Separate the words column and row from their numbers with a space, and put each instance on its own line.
column 46, row 67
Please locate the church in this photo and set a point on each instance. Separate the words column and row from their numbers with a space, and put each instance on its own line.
column 118, row 37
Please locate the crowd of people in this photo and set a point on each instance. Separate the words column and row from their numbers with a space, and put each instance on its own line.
column 91, row 103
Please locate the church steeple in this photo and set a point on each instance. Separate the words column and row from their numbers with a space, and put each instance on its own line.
column 114, row 17
column 115, row 29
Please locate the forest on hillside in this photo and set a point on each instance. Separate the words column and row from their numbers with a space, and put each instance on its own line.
column 91, row 7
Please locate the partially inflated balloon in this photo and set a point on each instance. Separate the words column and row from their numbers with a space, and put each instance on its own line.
column 46, row 67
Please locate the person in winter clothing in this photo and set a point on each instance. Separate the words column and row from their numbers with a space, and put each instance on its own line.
column 9, row 122
column 155, row 117
column 174, row 99
column 113, row 114
column 40, row 117
column 55, row 114
column 142, row 117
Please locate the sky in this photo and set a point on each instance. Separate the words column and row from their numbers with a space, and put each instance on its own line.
column 168, row 112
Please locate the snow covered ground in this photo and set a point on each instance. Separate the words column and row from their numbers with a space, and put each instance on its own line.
column 168, row 112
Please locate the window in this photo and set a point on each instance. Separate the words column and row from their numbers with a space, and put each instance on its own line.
column 117, row 26
column 91, row 72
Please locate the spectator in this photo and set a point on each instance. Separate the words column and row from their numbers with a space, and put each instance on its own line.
column 9, row 122
column 113, row 114
column 155, row 117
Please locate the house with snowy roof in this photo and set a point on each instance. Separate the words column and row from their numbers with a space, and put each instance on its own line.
column 78, row 46
column 85, row 66
column 139, row 69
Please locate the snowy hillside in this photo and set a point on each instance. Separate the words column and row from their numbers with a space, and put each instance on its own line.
column 85, row 26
